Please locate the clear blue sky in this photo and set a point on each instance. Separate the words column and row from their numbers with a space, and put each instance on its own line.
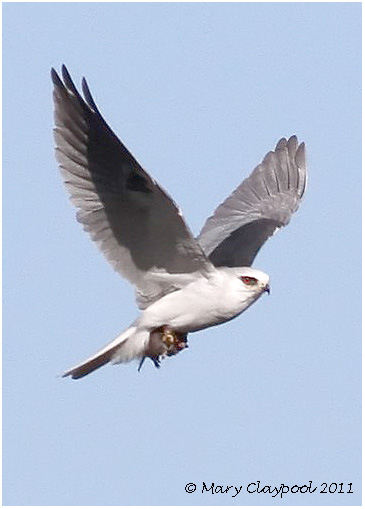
column 199, row 93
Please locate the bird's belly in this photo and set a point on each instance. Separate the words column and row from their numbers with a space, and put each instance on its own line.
column 206, row 314
column 187, row 310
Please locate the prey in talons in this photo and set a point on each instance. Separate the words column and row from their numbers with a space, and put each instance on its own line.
column 164, row 342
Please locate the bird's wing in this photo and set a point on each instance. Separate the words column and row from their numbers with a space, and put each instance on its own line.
column 133, row 221
column 260, row 205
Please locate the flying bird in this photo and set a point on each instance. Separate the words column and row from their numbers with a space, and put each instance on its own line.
column 183, row 284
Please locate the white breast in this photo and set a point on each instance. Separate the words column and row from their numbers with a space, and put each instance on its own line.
column 201, row 304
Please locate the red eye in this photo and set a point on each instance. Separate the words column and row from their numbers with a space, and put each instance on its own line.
column 250, row 281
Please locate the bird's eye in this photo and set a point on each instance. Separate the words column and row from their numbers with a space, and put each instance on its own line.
column 249, row 281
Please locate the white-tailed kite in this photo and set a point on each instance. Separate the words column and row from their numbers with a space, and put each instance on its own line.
column 183, row 284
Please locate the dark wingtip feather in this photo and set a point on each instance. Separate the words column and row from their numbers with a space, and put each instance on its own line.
column 300, row 155
column 65, row 73
column 56, row 79
column 68, row 81
column 281, row 144
column 87, row 94
column 292, row 146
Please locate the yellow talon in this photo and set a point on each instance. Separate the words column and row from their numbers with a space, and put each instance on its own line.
column 168, row 338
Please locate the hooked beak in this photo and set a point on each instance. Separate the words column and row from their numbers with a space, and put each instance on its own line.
column 267, row 289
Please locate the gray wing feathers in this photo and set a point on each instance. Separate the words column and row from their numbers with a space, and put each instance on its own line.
column 260, row 205
column 133, row 221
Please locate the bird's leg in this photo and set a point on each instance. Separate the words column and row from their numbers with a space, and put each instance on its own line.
column 155, row 359
column 164, row 342
column 141, row 363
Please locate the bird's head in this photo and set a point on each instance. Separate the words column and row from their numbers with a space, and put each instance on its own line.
column 254, row 280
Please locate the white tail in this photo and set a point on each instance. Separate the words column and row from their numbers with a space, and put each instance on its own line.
column 127, row 346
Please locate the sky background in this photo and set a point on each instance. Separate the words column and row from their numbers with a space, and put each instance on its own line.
column 199, row 93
